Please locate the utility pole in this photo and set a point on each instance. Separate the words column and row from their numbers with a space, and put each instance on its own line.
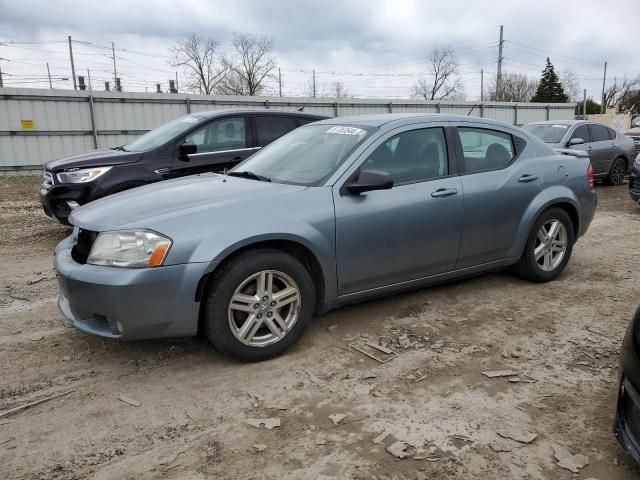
column 115, row 72
column 176, row 82
column 482, row 84
column 280, row 81
column 584, row 105
column 1, row 84
column 49, row 75
column 89, row 78
column 73, row 68
column 500, row 58
column 314, row 84
column 604, row 80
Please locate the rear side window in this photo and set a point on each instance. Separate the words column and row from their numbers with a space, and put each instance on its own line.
column 305, row 120
column 582, row 132
column 269, row 128
column 485, row 149
column 599, row 133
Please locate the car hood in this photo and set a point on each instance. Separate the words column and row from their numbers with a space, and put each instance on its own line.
column 95, row 158
column 152, row 205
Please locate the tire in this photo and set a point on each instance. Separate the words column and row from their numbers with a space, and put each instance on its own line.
column 225, row 323
column 547, row 268
column 616, row 172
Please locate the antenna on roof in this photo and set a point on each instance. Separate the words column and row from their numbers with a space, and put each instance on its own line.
column 301, row 109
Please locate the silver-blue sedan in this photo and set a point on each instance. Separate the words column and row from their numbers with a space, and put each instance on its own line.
column 334, row 212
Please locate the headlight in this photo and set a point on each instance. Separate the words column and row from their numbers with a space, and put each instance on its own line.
column 129, row 248
column 82, row 176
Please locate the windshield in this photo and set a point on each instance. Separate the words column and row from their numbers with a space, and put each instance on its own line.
column 162, row 134
column 548, row 133
column 305, row 156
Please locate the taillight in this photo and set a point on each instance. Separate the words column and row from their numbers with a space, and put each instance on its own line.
column 590, row 176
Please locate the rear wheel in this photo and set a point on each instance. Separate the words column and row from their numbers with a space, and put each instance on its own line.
column 617, row 172
column 259, row 305
column 548, row 247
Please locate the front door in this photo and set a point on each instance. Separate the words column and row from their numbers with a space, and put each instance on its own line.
column 220, row 144
column 408, row 232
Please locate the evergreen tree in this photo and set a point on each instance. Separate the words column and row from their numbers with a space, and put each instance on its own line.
column 550, row 89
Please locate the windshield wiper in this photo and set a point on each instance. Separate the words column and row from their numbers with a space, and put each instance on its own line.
column 248, row 174
column 121, row 148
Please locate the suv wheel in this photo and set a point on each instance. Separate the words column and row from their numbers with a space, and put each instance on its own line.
column 259, row 305
column 548, row 247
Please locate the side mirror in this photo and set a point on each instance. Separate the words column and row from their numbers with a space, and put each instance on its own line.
column 187, row 149
column 369, row 180
column 576, row 141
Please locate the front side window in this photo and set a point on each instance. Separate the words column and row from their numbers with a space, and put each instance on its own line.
column 582, row 132
column 485, row 149
column 411, row 156
column 163, row 134
column 306, row 156
column 270, row 128
column 220, row 135
column 599, row 133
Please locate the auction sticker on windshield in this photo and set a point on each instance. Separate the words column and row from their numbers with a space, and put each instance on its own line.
column 345, row 130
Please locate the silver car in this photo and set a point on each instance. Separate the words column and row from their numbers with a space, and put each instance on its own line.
column 334, row 212
column 611, row 153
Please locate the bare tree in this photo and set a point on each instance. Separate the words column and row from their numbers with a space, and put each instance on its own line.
column 250, row 64
column 200, row 62
column 570, row 84
column 336, row 90
column 514, row 87
column 618, row 91
column 441, row 80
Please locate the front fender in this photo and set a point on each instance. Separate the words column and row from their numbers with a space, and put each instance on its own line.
column 550, row 196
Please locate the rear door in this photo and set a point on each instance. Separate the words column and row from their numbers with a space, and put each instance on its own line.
column 601, row 152
column 221, row 144
column 270, row 127
column 499, row 183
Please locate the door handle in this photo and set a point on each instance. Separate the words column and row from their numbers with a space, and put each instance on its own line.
column 526, row 178
column 444, row 192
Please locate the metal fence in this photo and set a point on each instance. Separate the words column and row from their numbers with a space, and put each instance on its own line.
column 40, row 125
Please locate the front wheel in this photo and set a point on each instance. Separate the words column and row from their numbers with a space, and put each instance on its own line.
column 548, row 247
column 617, row 172
column 259, row 304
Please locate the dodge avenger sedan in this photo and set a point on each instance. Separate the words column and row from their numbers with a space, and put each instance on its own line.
column 331, row 213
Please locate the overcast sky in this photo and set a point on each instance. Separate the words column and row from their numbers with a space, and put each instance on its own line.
column 376, row 48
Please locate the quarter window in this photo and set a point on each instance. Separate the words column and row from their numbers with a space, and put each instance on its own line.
column 411, row 156
column 599, row 133
column 485, row 149
column 612, row 133
column 220, row 135
column 270, row 128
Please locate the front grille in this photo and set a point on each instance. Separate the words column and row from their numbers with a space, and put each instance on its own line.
column 82, row 248
column 636, row 140
column 47, row 180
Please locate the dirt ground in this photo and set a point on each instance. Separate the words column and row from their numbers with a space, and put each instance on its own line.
column 562, row 338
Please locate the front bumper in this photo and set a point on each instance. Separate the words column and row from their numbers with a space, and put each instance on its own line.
column 59, row 200
column 634, row 183
column 626, row 425
column 127, row 303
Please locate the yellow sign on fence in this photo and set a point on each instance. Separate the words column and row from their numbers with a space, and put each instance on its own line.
column 28, row 124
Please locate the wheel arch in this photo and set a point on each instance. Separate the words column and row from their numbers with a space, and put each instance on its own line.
column 293, row 247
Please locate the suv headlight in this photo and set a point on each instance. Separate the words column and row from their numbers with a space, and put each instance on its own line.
column 82, row 176
column 130, row 249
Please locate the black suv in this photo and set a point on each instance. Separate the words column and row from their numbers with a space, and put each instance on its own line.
column 196, row 143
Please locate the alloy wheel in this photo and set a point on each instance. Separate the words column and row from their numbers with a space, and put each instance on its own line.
column 617, row 172
column 551, row 245
column 264, row 308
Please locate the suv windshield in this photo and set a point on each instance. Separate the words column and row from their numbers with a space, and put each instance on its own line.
column 162, row 134
column 548, row 133
column 305, row 156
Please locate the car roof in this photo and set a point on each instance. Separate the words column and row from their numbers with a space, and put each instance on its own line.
column 256, row 111
column 399, row 119
column 559, row 122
